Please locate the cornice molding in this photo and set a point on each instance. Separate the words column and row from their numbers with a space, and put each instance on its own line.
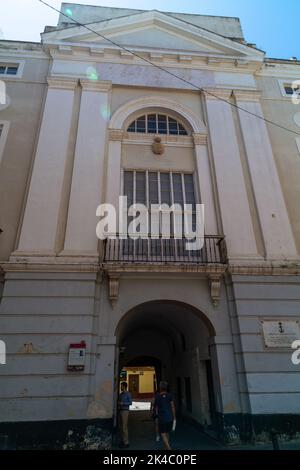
column 288, row 270
column 126, row 54
column 88, row 266
column 58, row 83
column 133, row 138
column 242, row 63
column 65, row 49
column 51, row 267
column 162, row 268
column 96, row 85
column 199, row 60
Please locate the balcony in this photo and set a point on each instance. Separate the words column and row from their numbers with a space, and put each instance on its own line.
column 164, row 255
column 162, row 251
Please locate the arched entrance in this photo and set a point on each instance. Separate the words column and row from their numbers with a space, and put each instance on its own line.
column 174, row 338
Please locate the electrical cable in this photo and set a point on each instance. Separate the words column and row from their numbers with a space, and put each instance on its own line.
column 169, row 72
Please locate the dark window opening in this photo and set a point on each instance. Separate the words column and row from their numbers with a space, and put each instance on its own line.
column 157, row 124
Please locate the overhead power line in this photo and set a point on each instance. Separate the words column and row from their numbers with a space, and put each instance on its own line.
column 148, row 61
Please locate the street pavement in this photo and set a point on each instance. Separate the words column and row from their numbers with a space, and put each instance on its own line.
column 186, row 436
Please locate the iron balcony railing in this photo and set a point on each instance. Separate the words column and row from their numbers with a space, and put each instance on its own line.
column 164, row 250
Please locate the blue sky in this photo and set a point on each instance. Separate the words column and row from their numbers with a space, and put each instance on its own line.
column 273, row 25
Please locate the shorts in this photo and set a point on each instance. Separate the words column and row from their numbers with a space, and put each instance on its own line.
column 165, row 428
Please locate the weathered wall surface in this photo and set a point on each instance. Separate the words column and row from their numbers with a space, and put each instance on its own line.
column 281, row 109
column 26, row 96
column 41, row 314
column 272, row 379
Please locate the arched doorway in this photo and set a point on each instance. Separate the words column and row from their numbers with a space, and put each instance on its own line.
column 174, row 338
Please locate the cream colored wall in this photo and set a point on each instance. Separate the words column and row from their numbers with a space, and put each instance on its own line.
column 27, row 95
column 146, row 382
column 190, row 99
column 139, row 156
column 281, row 110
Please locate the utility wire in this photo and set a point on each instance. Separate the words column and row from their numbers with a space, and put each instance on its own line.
column 169, row 72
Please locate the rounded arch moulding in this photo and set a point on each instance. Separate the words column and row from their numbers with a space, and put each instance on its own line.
column 127, row 110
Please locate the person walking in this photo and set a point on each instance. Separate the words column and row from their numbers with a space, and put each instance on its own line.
column 125, row 400
column 165, row 411
column 153, row 413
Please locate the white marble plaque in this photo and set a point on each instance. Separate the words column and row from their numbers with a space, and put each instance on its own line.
column 280, row 334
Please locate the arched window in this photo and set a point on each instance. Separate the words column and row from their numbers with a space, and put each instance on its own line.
column 157, row 124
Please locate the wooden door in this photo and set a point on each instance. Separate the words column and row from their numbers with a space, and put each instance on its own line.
column 134, row 385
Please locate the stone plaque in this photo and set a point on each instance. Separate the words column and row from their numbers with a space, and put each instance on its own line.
column 280, row 334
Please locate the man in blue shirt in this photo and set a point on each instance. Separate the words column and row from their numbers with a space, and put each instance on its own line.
column 165, row 411
column 124, row 403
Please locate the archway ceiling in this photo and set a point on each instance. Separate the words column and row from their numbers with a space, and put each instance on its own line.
column 164, row 316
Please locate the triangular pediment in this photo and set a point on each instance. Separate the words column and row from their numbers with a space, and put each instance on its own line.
column 153, row 31
column 156, row 37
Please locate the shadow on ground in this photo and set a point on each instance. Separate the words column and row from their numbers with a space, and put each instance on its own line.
column 186, row 436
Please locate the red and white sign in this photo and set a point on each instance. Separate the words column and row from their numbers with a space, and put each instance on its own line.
column 76, row 358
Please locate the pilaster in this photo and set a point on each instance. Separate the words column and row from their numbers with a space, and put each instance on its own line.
column 41, row 217
column 88, row 171
column 231, row 186
column 272, row 211
column 205, row 183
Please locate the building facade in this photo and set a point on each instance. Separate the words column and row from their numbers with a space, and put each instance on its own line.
column 85, row 121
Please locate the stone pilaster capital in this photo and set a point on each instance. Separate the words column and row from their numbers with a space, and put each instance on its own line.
column 115, row 134
column 247, row 95
column 217, row 93
column 96, row 85
column 59, row 83
column 200, row 139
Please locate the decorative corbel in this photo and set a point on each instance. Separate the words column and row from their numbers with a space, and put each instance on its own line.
column 113, row 287
column 215, row 288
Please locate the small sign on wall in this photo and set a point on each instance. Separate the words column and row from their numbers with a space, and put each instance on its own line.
column 76, row 359
column 281, row 333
